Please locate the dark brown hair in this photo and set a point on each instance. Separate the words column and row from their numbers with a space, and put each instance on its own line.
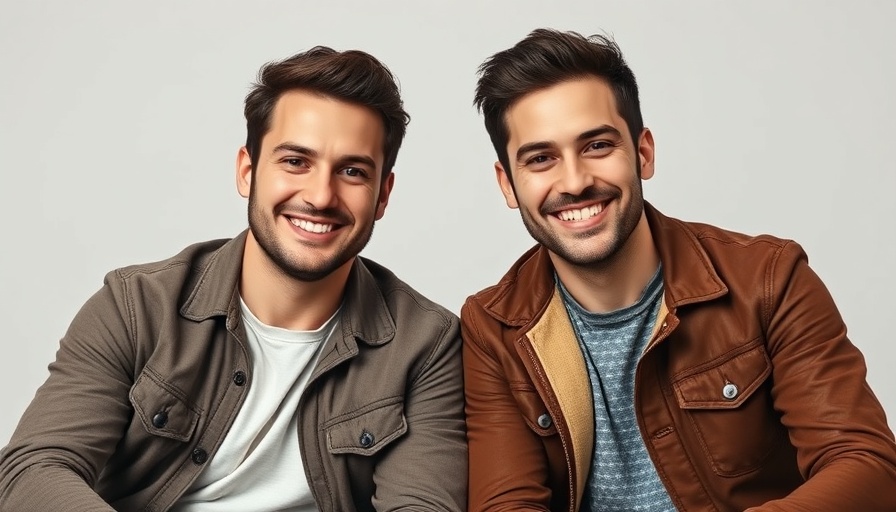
column 544, row 58
column 353, row 76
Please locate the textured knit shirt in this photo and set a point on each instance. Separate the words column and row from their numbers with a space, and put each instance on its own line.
column 623, row 477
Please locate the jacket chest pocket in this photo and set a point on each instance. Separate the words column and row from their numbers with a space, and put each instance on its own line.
column 367, row 430
column 162, row 409
column 728, row 402
column 533, row 410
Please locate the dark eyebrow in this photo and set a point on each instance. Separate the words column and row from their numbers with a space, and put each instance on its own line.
column 287, row 147
column 540, row 145
column 530, row 147
column 600, row 130
column 358, row 159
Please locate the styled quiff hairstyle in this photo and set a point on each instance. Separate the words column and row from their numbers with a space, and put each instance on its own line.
column 352, row 76
column 547, row 57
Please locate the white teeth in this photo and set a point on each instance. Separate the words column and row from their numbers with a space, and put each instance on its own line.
column 581, row 214
column 311, row 227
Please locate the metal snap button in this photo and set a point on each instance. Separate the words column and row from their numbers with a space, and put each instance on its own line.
column 239, row 378
column 199, row 456
column 729, row 391
column 544, row 421
column 366, row 439
column 160, row 419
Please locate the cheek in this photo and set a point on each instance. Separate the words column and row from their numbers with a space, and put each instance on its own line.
column 533, row 191
column 361, row 201
column 279, row 188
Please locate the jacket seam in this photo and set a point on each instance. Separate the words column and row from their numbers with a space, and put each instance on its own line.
column 665, row 393
column 555, row 405
column 478, row 339
column 776, row 242
column 768, row 298
column 132, row 316
column 360, row 411
column 445, row 324
column 714, row 363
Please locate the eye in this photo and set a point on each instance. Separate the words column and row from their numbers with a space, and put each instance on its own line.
column 539, row 161
column 354, row 172
column 295, row 162
column 601, row 146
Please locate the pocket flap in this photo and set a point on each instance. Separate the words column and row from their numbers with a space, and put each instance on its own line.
column 726, row 382
column 368, row 430
column 533, row 410
column 161, row 409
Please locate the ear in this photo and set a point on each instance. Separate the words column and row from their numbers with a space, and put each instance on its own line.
column 243, row 172
column 506, row 186
column 383, row 199
column 646, row 151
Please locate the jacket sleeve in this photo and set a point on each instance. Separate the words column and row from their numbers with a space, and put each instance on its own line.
column 76, row 417
column 508, row 464
column 845, row 449
column 427, row 469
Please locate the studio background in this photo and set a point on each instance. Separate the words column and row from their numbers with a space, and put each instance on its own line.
column 120, row 124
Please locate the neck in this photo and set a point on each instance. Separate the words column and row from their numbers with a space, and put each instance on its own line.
column 280, row 300
column 616, row 282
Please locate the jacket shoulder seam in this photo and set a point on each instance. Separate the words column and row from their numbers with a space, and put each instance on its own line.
column 125, row 275
column 471, row 320
column 769, row 288
column 444, row 327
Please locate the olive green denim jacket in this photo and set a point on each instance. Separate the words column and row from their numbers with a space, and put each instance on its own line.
column 154, row 368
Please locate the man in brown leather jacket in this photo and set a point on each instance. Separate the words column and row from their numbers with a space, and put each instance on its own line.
column 632, row 361
column 274, row 371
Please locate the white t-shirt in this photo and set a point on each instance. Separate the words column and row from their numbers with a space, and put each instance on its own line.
column 258, row 466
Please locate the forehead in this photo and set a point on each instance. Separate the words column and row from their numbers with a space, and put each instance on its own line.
column 562, row 111
column 325, row 124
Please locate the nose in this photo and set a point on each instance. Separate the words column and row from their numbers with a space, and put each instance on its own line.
column 573, row 177
column 318, row 189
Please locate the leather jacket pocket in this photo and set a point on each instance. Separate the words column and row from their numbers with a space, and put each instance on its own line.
column 533, row 410
column 728, row 403
column 367, row 430
column 162, row 409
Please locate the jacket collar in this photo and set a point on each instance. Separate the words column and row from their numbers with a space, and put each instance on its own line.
column 688, row 274
column 364, row 311
column 364, row 316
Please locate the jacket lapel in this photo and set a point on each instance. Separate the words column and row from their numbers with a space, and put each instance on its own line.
column 364, row 317
column 556, row 346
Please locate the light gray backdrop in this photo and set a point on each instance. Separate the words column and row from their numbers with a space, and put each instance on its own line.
column 120, row 122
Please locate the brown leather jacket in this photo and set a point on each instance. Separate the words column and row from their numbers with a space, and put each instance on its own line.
column 168, row 338
column 801, row 431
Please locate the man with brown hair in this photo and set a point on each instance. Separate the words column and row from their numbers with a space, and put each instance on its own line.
column 274, row 371
column 632, row 361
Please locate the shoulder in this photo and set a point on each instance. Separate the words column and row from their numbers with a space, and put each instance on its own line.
column 759, row 250
column 711, row 235
column 520, row 296
column 171, row 276
column 677, row 239
column 192, row 256
column 404, row 302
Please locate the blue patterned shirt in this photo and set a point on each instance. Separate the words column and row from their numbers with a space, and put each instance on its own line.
column 623, row 477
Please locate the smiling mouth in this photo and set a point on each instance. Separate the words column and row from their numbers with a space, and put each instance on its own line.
column 580, row 213
column 311, row 227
